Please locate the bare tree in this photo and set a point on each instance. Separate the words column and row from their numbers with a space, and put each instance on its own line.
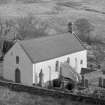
column 8, row 33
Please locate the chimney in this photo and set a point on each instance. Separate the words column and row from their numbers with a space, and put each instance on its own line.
column 70, row 24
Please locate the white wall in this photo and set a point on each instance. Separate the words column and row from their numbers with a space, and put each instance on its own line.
column 24, row 65
column 82, row 55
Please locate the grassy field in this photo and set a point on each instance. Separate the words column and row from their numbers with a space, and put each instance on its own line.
column 57, row 13
column 8, row 97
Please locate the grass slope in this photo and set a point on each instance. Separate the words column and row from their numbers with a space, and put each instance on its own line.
column 8, row 97
column 58, row 16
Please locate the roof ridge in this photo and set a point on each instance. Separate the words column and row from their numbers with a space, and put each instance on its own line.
column 44, row 37
column 47, row 37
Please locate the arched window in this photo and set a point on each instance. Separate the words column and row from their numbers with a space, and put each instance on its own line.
column 57, row 66
column 60, row 72
column 81, row 62
column 76, row 63
column 17, row 59
column 68, row 60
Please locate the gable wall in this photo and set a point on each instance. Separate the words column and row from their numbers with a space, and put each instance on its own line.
column 24, row 65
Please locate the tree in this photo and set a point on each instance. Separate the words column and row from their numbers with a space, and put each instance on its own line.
column 6, row 46
column 99, row 53
column 22, row 28
column 29, row 27
column 8, row 32
column 83, row 28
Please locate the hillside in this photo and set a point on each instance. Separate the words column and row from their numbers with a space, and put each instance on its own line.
column 8, row 97
column 54, row 15
column 57, row 15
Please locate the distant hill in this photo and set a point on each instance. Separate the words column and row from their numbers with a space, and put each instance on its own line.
column 20, row 1
column 56, row 16
column 102, row 2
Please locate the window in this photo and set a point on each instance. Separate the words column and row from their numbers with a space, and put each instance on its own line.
column 81, row 62
column 17, row 59
column 57, row 66
column 60, row 70
column 68, row 60
column 60, row 73
column 76, row 63
column 75, row 60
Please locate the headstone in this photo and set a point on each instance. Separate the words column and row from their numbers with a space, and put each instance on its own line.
column 86, row 83
column 104, row 83
column 83, row 81
column 99, row 66
column 100, row 82
column 103, row 71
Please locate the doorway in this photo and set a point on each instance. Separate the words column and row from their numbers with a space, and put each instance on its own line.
column 17, row 75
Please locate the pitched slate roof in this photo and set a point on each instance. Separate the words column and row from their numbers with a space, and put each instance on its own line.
column 50, row 47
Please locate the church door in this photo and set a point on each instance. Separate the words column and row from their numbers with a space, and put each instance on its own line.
column 17, row 76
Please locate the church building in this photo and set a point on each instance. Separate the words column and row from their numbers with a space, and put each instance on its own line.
column 28, row 60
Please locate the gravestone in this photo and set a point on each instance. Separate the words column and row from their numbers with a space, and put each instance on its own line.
column 104, row 83
column 83, row 81
column 100, row 82
column 86, row 83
